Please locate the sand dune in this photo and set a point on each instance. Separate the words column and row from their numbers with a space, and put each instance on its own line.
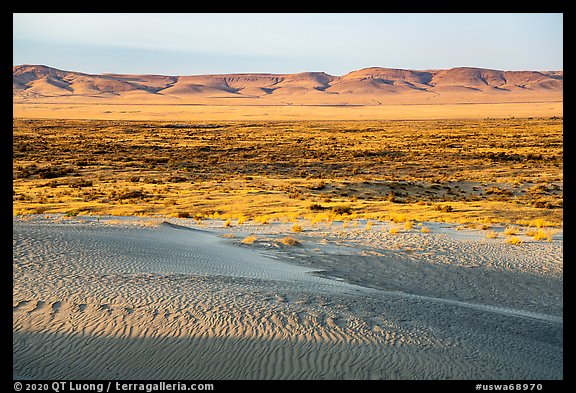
column 141, row 299
column 370, row 86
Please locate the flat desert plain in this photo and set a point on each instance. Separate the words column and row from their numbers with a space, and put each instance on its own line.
column 225, row 248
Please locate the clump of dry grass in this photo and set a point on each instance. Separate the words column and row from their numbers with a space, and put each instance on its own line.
column 342, row 210
column 368, row 226
column 491, row 235
column 425, row 229
column 249, row 239
column 408, row 225
column 393, row 230
column 538, row 223
column 289, row 241
column 262, row 219
column 509, row 231
column 445, row 208
column 180, row 214
column 296, row 228
column 514, row 240
column 398, row 218
column 541, row 235
column 241, row 220
column 227, row 223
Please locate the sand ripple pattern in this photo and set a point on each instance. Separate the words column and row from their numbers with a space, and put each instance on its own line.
column 98, row 301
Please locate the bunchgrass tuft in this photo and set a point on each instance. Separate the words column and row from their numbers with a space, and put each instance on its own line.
column 262, row 219
column 289, row 241
column 514, row 240
column 541, row 235
column 249, row 239
column 491, row 235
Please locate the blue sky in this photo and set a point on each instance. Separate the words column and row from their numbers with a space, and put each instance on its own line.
column 336, row 43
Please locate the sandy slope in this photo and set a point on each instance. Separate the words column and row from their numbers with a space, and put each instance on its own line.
column 127, row 298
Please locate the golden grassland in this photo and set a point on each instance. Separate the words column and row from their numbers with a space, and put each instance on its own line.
column 458, row 170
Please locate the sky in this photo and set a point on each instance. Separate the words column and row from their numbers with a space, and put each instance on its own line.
column 335, row 43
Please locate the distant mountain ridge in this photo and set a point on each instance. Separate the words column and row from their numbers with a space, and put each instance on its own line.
column 368, row 86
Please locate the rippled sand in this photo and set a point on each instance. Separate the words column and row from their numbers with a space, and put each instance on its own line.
column 143, row 299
